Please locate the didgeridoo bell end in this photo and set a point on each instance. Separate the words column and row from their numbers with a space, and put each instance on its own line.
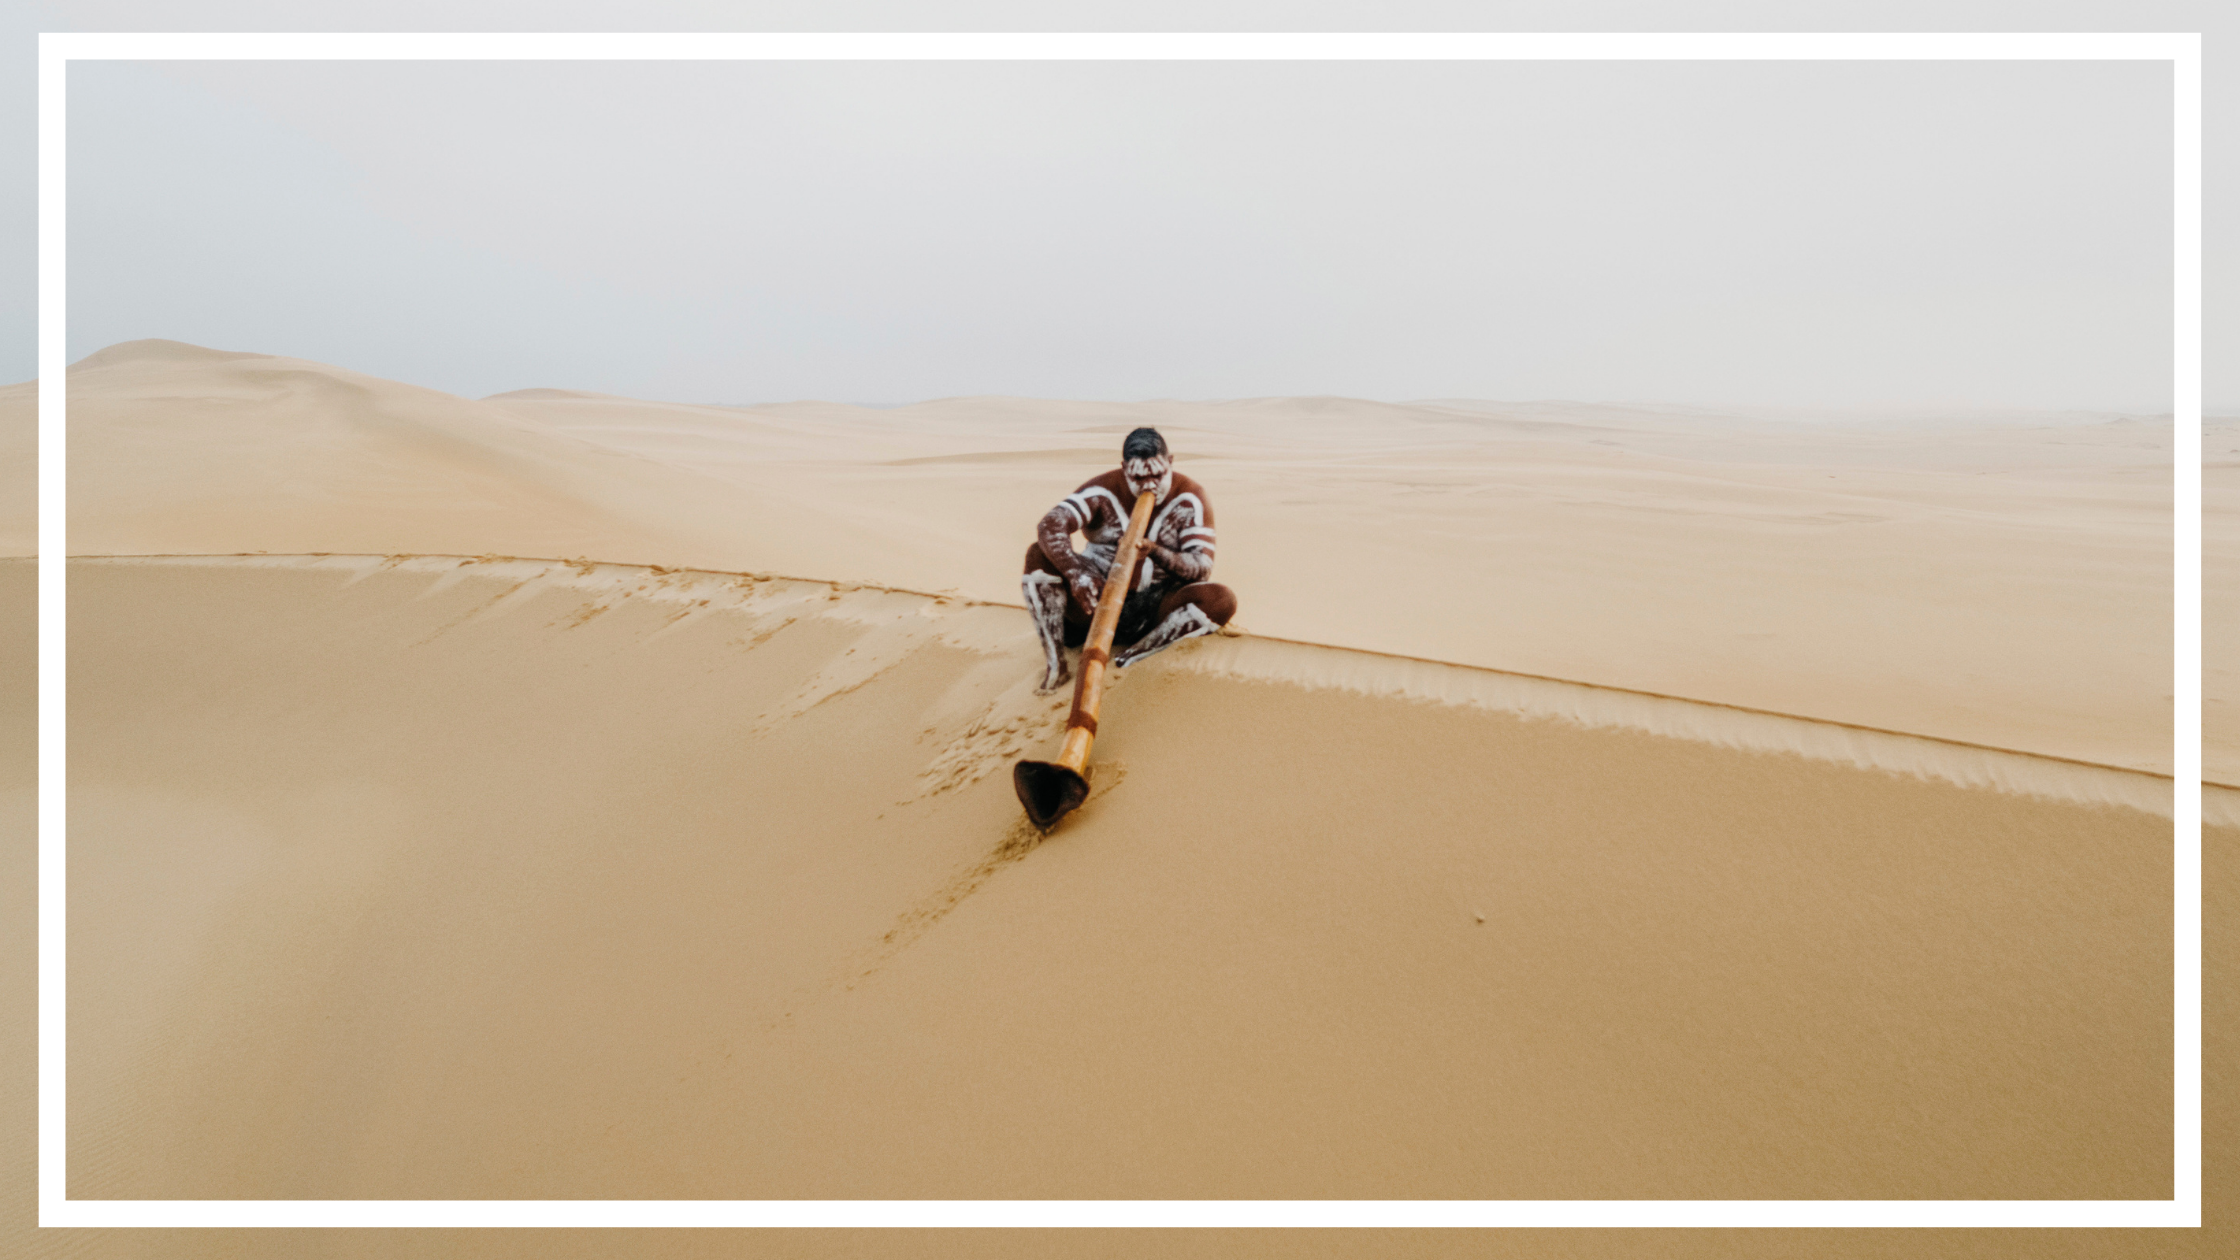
column 1048, row 790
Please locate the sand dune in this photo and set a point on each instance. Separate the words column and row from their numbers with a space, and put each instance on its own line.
column 1999, row 580
column 16, row 1236
column 653, row 873
column 437, row 877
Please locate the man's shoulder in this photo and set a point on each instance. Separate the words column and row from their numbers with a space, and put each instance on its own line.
column 1187, row 490
column 1099, row 494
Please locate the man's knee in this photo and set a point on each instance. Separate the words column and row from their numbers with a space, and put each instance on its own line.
column 1216, row 601
column 1037, row 562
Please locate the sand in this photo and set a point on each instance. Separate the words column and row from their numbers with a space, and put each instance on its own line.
column 412, row 869
column 443, row 878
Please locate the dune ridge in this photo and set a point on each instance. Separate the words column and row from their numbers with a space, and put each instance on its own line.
column 1992, row 580
column 999, row 632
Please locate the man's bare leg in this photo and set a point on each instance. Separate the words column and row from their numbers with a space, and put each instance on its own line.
column 1186, row 622
column 1046, row 602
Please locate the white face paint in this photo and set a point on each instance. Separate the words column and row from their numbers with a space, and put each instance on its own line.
column 1156, row 473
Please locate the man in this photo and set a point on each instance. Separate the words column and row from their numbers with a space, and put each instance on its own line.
column 1168, row 600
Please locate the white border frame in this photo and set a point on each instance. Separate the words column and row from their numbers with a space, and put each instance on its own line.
column 2182, row 50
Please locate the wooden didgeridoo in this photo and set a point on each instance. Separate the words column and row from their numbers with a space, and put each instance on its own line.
column 1052, row 789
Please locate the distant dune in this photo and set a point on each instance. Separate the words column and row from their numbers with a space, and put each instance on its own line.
column 542, row 395
column 157, row 350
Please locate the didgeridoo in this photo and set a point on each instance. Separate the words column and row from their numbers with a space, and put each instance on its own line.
column 1052, row 789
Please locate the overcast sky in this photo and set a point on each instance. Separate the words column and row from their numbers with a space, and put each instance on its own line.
column 1815, row 235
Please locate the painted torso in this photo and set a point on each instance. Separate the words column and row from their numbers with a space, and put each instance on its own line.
column 1181, row 522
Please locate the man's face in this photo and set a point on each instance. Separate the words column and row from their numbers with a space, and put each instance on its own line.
column 1147, row 474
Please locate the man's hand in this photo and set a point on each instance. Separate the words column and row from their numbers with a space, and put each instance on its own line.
column 1085, row 589
column 1188, row 566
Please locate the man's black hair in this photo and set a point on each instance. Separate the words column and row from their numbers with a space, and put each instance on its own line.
column 1143, row 444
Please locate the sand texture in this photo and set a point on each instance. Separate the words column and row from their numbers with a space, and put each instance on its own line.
column 2221, row 968
column 440, row 878
column 2002, row 580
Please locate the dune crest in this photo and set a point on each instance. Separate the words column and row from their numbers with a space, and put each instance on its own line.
column 158, row 350
column 543, row 395
column 998, row 631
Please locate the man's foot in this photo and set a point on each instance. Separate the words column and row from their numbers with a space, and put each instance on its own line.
column 1052, row 683
column 1186, row 622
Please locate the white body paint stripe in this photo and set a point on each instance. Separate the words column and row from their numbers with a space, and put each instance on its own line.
column 1197, row 511
column 1083, row 503
column 1185, row 512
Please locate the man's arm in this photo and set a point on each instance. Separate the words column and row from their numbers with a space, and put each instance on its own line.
column 1191, row 558
column 1055, row 533
column 1188, row 564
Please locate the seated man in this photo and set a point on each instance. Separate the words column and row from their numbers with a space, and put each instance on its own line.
column 1168, row 599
